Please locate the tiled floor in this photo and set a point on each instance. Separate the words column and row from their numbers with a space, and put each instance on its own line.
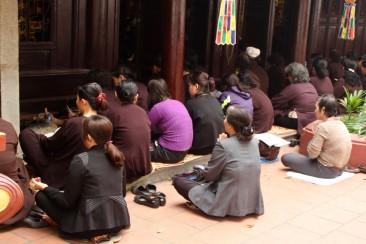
column 295, row 212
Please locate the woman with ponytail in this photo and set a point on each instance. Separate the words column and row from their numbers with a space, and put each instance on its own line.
column 206, row 113
column 50, row 156
column 92, row 206
column 232, row 186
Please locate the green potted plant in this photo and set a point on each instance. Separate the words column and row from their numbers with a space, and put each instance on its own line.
column 355, row 117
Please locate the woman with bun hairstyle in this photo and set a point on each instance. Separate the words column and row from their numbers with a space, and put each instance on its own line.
column 92, row 205
column 320, row 76
column 123, row 72
column 206, row 113
column 131, row 131
column 51, row 156
column 232, row 186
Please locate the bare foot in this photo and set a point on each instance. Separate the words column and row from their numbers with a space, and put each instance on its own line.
column 47, row 218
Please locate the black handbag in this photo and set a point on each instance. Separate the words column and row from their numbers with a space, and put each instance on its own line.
column 196, row 175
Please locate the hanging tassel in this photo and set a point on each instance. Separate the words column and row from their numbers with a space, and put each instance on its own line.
column 347, row 29
column 226, row 24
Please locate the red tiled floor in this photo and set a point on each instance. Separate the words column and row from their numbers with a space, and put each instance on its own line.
column 295, row 212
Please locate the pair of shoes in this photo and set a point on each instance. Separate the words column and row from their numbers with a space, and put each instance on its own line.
column 32, row 222
column 102, row 239
column 150, row 194
column 114, row 237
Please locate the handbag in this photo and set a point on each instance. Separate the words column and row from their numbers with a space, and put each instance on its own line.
column 196, row 175
column 268, row 152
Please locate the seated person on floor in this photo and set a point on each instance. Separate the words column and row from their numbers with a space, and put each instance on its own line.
column 171, row 125
column 131, row 131
column 14, row 168
column 104, row 79
column 294, row 105
column 51, row 156
column 92, row 203
column 262, row 106
column 234, row 93
column 206, row 114
column 330, row 148
column 123, row 72
column 232, row 186
column 320, row 76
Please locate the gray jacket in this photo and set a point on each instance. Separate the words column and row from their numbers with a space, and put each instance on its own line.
column 233, row 173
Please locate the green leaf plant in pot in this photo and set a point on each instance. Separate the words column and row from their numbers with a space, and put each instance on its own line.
column 355, row 117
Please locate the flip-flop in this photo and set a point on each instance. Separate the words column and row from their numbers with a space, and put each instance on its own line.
column 350, row 169
column 115, row 237
column 362, row 168
column 152, row 202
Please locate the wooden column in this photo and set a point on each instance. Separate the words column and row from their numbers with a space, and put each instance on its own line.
column 173, row 49
column 300, row 32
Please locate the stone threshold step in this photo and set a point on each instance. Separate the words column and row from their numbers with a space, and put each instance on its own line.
column 162, row 172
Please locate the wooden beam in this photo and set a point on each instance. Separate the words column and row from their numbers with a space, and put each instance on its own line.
column 173, row 51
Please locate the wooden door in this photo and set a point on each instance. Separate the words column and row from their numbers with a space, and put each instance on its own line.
column 326, row 16
column 258, row 25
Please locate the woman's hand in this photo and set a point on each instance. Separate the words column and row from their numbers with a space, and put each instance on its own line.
column 36, row 184
column 222, row 136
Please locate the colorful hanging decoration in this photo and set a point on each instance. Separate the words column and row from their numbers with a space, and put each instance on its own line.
column 226, row 25
column 347, row 30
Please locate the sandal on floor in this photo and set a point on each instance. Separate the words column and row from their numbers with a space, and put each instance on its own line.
column 114, row 237
column 149, row 201
column 350, row 169
column 141, row 191
column 294, row 142
column 362, row 168
column 102, row 239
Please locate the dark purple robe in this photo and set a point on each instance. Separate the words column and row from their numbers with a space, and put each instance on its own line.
column 300, row 97
column 131, row 134
column 262, row 111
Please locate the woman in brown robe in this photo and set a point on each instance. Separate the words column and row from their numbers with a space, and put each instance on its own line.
column 131, row 131
column 51, row 156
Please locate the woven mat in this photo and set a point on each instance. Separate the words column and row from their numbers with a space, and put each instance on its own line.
column 189, row 157
column 279, row 130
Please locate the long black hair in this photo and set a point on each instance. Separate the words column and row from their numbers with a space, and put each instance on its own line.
column 100, row 129
column 158, row 91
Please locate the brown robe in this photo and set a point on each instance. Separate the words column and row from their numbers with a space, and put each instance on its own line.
column 262, row 111
column 262, row 76
column 51, row 156
column 322, row 86
column 15, row 169
column 299, row 96
column 131, row 134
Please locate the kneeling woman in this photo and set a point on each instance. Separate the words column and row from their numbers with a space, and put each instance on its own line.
column 233, row 172
column 93, row 201
column 330, row 148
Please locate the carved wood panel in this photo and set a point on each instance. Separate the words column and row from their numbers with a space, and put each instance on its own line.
column 326, row 22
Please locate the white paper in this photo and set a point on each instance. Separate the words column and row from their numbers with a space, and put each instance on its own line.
column 271, row 139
